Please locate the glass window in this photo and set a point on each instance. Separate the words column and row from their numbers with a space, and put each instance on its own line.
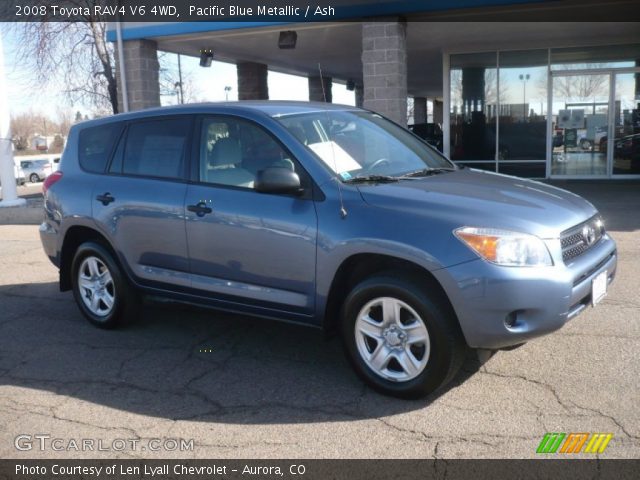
column 580, row 118
column 523, row 106
column 233, row 151
column 474, row 98
column 356, row 144
column 626, row 125
column 95, row 145
column 156, row 148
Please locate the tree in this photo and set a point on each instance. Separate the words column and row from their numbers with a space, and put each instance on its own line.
column 21, row 130
column 170, row 78
column 64, row 121
column 578, row 87
column 24, row 126
column 76, row 53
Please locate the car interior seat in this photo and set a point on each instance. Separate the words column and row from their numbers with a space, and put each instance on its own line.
column 224, row 162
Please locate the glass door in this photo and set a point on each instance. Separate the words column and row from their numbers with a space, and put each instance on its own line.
column 579, row 124
column 626, row 125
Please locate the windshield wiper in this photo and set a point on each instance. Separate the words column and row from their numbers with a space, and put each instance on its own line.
column 372, row 179
column 425, row 172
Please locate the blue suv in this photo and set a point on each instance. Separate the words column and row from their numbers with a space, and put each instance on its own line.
column 323, row 215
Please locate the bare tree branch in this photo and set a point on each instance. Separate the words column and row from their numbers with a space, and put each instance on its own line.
column 77, row 52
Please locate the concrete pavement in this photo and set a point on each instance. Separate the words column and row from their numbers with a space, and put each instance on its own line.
column 242, row 387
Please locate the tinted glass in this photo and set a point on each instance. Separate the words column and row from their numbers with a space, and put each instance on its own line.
column 233, row 151
column 156, row 148
column 95, row 146
column 474, row 98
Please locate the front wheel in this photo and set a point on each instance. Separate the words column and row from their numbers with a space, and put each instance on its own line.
column 100, row 289
column 34, row 178
column 400, row 337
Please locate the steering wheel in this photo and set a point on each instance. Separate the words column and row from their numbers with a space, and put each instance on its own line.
column 378, row 163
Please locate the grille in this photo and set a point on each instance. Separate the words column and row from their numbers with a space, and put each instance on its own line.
column 581, row 238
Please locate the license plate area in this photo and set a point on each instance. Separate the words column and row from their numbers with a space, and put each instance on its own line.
column 598, row 288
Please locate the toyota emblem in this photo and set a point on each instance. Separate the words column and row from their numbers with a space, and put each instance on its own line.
column 589, row 234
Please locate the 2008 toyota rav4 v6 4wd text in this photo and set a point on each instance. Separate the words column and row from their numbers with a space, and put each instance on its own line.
column 323, row 215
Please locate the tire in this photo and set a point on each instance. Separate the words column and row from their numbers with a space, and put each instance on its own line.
column 34, row 178
column 96, row 276
column 585, row 145
column 443, row 346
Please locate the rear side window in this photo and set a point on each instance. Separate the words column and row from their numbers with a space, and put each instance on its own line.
column 156, row 148
column 95, row 146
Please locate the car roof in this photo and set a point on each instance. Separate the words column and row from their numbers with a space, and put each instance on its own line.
column 271, row 108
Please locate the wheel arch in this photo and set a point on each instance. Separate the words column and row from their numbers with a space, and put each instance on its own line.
column 73, row 238
column 360, row 266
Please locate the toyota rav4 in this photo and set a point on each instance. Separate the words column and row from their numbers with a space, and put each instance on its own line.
column 323, row 215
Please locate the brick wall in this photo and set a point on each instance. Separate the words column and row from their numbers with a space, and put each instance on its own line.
column 384, row 64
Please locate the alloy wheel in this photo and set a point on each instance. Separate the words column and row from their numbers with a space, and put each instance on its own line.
column 96, row 286
column 392, row 339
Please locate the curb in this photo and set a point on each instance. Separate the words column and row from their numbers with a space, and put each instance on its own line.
column 31, row 214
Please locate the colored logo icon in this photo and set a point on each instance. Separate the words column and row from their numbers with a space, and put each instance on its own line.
column 574, row 443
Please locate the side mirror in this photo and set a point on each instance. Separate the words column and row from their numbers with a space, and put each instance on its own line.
column 277, row 180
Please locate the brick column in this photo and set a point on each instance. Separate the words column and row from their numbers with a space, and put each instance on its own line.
column 315, row 89
column 384, row 64
column 419, row 110
column 142, row 72
column 437, row 111
column 252, row 81
column 359, row 93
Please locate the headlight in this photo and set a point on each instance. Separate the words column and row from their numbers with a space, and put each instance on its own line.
column 503, row 247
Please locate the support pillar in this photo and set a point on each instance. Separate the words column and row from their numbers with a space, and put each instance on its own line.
column 252, row 81
column 359, row 94
column 142, row 71
column 384, row 64
column 419, row 110
column 438, row 115
column 315, row 89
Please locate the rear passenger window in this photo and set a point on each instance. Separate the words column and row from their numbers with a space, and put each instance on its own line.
column 95, row 145
column 156, row 148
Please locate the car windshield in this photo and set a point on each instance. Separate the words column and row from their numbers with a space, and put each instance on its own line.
column 356, row 144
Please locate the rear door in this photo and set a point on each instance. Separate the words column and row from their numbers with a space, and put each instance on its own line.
column 139, row 202
column 248, row 247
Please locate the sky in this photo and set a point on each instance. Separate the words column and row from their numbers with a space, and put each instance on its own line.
column 207, row 84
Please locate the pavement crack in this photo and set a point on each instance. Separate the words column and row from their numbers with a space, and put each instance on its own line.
column 546, row 386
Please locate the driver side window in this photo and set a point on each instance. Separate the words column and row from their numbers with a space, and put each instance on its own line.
column 233, row 151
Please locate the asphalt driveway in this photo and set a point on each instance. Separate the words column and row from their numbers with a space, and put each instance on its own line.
column 242, row 387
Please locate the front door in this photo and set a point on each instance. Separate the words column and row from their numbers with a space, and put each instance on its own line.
column 245, row 246
column 580, row 124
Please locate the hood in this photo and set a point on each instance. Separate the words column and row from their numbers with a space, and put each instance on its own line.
column 476, row 198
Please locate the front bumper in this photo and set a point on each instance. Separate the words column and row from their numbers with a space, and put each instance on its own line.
column 533, row 301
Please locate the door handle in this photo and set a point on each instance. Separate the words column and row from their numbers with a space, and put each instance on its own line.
column 200, row 209
column 105, row 198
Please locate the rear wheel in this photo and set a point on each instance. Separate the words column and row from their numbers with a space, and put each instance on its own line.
column 586, row 144
column 34, row 178
column 400, row 338
column 100, row 289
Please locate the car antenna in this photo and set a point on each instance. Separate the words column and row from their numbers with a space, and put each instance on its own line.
column 343, row 211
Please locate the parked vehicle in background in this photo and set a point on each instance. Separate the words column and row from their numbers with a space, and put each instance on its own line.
column 36, row 170
column 323, row 215
column 600, row 134
column 430, row 132
column 19, row 175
